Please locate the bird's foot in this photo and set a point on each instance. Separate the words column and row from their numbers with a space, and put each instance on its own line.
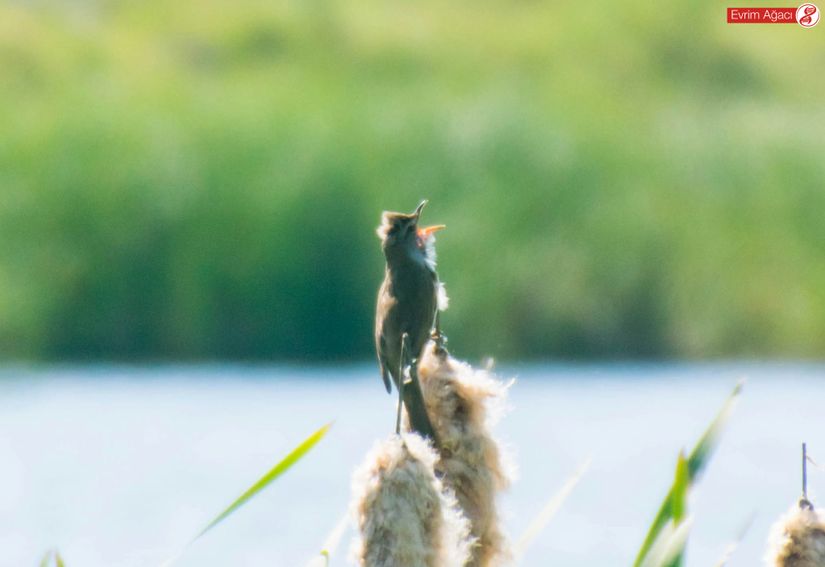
column 440, row 341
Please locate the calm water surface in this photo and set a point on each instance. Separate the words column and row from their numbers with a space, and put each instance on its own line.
column 118, row 467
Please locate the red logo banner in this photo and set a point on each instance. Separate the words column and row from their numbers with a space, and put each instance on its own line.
column 806, row 15
column 761, row 15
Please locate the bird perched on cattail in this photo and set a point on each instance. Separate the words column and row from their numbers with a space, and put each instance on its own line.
column 406, row 311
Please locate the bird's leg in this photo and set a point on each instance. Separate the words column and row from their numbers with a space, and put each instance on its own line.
column 402, row 364
column 438, row 337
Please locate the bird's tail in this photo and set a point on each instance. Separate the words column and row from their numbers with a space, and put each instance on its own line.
column 416, row 410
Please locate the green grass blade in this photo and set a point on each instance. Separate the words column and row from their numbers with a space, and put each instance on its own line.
column 276, row 471
column 696, row 461
column 265, row 480
column 679, row 560
column 47, row 559
column 548, row 511
column 681, row 484
column 674, row 555
column 734, row 545
column 669, row 548
column 331, row 543
column 704, row 448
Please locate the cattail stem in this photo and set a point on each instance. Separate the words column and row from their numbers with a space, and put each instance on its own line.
column 805, row 471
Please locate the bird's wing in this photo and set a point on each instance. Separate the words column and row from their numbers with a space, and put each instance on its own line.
column 380, row 343
column 382, row 362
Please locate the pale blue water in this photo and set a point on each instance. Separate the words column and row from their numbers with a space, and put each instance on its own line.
column 118, row 467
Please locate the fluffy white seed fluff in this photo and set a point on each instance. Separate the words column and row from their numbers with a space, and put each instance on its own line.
column 429, row 252
column 798, row 539
column 443, row 300
column 404, row 514
column 463, row 404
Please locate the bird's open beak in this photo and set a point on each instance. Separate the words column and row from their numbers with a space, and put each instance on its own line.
column 425, row 232
column 420, row 208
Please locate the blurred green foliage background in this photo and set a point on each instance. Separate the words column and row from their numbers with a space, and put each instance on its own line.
column 201, row 180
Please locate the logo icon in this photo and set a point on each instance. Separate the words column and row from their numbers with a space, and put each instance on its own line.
column 807, row 15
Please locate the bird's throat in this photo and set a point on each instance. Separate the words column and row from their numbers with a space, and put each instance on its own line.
column 401, row 258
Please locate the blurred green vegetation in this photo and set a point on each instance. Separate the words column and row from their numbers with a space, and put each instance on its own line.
column 201, row 180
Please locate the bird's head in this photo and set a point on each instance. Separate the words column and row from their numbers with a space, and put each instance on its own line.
column 402, row 237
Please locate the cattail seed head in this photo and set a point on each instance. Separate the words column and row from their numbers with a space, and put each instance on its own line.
column 798, row 538
column 404, row 514
column 462, row 404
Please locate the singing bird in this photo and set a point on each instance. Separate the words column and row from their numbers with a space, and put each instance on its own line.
column 406, row 311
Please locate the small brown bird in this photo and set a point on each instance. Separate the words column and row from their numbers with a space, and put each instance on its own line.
column 406, row 311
